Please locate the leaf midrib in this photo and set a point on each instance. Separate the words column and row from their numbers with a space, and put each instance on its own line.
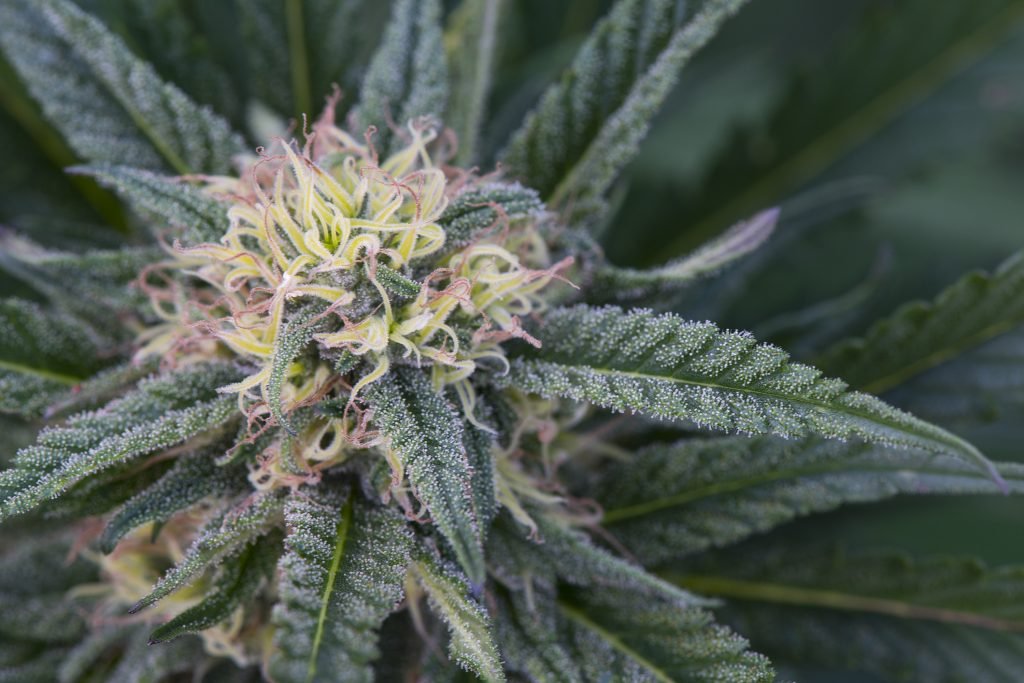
column 759, row 591
column 23, row 369
column 614, row 641
column 950, row 440
column 341, row 537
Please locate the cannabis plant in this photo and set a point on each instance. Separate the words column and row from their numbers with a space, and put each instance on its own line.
column 354, row 393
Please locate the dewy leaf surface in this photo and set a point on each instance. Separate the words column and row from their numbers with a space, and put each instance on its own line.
column 589, row 125
column 674, row 500
column 111, row 107
column 342, row 570
column 921, row 335
column 866, row 610
column 664, row 366
column 426, row 435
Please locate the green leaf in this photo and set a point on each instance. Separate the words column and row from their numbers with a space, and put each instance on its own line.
column 395, row 282
column 408, row 77
column 448, row 591
column 980, row 387
column 473, row 213
column 669, row 368
column 139, row 662
column 470, row 41
column 198, row 216
column 175, row 37
column 673, row 500
column 621, row 285
column 85, row 656
column 192, row 478
column 94, row 285
column 225, row 535
column 112, row 108
column 342, row 575
column 162, row 412
column 426, row 436
column 921, row 335
column 294, row 336
column 35, row 577
column 867, row 610
column 480, row 447
column 564, row 554
column 42, row 355
column 610, row 635
column 297, row 49
column 240, row 579
column 817, row 123
column 589, row 125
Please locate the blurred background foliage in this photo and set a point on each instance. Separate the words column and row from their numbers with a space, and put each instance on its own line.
column 891, row 133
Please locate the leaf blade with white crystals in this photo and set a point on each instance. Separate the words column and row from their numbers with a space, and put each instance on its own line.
column 407, row 77
column 588, row 126
column 238, row 583
column 426, row 435
column 162, row 412
column 342, row 571
column 673, row 369
column 42, row 355
column 606, row 634
column 472, row 644
column 111, row 107
column 222, row 536
column 191, row 478
column 198, row 216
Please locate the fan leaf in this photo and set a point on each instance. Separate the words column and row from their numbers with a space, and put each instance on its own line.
column 623, row 285
column 42, row 355
column 609, row 635
column 225, row 535
column 921, row 335
column 448, row 591
column 426, row 435
column 866, row 610
column 669, row 368
column 111, row 107
column 192, row 478
column 197, row 216
column 161, row 413
column 342, row 571
column 470, row 42
column 408, row 77
column 673, row 500
column 589, row 125
column 239, row 581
